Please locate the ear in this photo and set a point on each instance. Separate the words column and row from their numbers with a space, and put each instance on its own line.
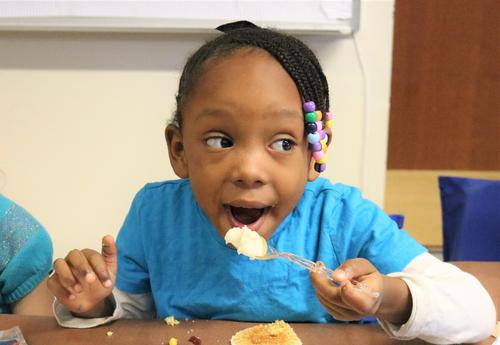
column 311, row 173
column 176, row 152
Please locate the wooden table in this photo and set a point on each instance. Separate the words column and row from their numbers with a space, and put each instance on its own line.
column 45, row 331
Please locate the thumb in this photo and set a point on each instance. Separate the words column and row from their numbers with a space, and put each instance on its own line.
column 109, row 253
column 352, row 269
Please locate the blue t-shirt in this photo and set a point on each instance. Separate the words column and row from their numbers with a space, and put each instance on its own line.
column 168, row 247
column 25, row 253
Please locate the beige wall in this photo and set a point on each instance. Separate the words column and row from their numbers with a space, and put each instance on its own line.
column 82, row 118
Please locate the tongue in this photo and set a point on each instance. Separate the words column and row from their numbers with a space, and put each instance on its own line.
column 246, row 215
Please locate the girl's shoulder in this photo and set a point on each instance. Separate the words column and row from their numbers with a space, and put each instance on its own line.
column 338, row 203
column 324, row 189
column 165, row 189
column 167, row 185
column 153, row 196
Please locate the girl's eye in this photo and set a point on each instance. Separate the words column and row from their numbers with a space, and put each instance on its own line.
column 219, row 142
column 283, row 145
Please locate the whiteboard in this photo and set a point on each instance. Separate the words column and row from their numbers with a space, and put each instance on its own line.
column 307, row 16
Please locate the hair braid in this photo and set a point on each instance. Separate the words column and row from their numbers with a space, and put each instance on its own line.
column 295, row 57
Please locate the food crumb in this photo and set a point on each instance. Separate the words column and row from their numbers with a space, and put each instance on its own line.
column 172, row 341
column 109, row 333
column 171, row 321
column 195, row 340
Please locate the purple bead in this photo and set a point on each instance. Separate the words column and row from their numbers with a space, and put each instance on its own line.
column 319, row 167
column 309, row 106
column 311, row 127
column 315, row 147
column 322, row 134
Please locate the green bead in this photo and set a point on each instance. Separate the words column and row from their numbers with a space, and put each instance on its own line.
column 310, row 117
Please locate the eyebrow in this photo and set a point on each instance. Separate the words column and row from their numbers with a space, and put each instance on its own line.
column 217, row 112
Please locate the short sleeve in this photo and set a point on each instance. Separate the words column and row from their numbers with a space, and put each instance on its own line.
column 25, row 254
column 368, row 232
column 133, row 274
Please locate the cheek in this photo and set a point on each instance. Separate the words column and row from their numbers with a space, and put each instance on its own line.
column 292, row 182
column 205, row 194
column 206, row 180
column 295, row 189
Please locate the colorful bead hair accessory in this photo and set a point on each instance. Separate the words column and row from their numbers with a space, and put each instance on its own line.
column 316, row 134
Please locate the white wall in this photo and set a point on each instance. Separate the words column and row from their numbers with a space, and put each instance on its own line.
column 82, row 118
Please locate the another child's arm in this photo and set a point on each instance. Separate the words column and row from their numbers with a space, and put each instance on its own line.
column 37, row 302
column 85, row 278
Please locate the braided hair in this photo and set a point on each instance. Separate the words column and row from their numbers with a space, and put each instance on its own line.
column 295, row 57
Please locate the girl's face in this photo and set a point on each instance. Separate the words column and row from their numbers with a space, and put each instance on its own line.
column 242, row 143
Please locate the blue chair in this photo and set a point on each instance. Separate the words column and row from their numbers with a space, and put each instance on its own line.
column 471, row 218
column 399, row 219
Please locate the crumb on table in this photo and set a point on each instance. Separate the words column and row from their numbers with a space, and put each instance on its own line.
column 195, row 340
column 171, row 321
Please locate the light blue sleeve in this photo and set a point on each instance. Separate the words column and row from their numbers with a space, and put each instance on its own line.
column 133, row 275
column 366, row 231
column 25, row 253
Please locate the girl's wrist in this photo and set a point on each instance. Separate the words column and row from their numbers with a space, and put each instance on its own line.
column 396, row 305
column 102, row 309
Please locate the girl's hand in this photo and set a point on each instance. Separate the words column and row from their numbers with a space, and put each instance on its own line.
column 84, row 279
column 347, row 302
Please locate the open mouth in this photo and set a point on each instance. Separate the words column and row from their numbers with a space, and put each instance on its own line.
column 246, row 215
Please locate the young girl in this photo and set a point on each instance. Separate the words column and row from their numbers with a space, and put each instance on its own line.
column 248, row 141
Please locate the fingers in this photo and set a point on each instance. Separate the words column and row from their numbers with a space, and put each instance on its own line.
column 84, row 278
column 63, row 274
column 109, row 253
column 99, row 267
column 71, row 275
column 321, row 283
column 331, row 298
column 80, row 269
column 339, row 312
column 60, row 291
column 348, row 301
column 328, row 294
column 358, row 299
column 79, row 265
column 352, row 269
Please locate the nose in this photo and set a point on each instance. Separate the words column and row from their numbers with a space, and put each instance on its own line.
column 250, row 169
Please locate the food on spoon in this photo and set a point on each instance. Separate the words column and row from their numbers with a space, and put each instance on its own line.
column 246, row 242
column 276, row 333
